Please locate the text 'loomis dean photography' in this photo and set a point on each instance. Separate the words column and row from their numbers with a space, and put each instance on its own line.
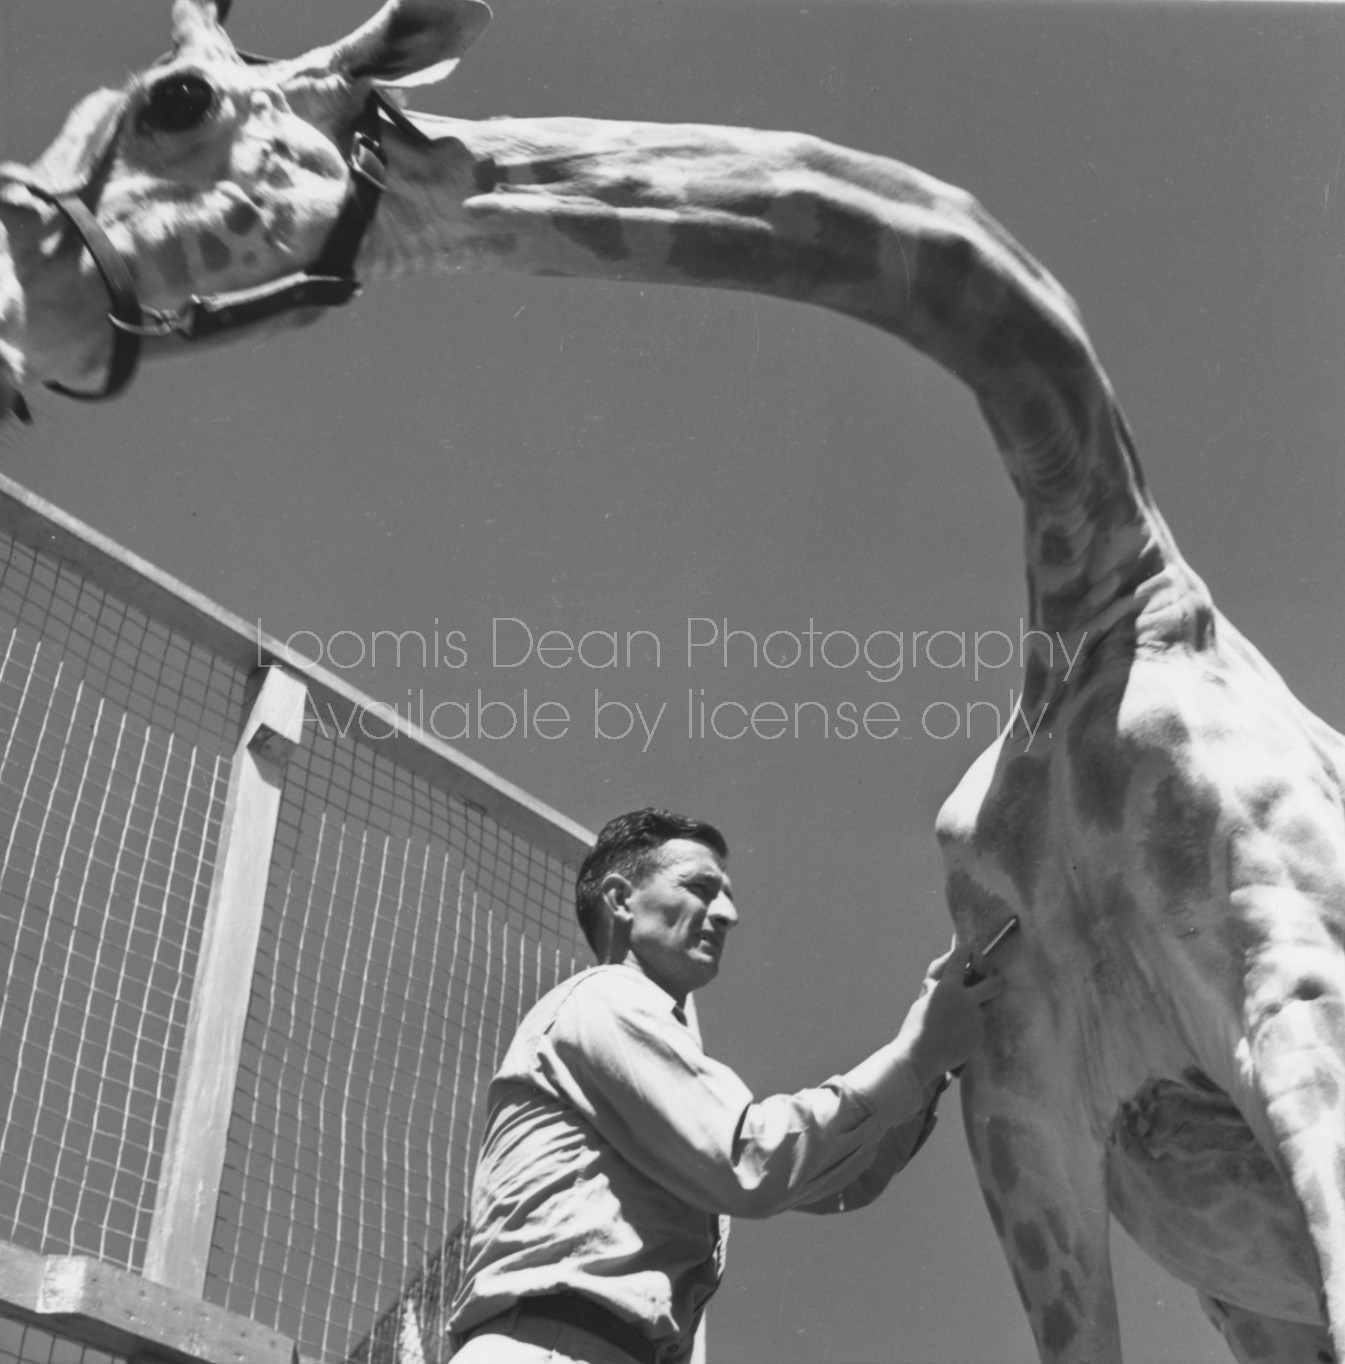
column 705, row 679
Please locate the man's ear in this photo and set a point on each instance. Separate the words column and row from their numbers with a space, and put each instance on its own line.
column 612, row 931
column 615, row 891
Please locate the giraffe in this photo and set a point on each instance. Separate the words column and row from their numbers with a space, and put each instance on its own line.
column 1163, row 816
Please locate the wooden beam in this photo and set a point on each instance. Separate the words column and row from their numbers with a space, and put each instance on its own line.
column 109, row 1308
column 51, row 531
column 198, row 1128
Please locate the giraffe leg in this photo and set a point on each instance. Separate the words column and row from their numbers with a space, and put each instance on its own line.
column 1257, row 1339
column 1045, row 1192
column 1295, row 1009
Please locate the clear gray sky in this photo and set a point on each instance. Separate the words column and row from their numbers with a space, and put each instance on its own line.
column 588, row 457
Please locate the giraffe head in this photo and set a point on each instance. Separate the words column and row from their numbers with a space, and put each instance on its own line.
column 209, row 174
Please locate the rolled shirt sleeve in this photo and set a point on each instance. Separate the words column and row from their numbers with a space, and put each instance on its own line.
column 623, row 1059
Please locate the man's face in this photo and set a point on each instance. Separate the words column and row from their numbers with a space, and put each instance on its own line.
column 680, row 915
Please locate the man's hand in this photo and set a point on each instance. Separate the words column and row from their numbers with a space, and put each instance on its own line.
column 941, row 1030
column 943, row 1027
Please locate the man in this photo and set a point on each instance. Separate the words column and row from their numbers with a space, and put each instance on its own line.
column 615, row 1149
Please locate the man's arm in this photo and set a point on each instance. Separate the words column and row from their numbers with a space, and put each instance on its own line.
column 691, row 1125
column 638, row 1076
column 896, row 1149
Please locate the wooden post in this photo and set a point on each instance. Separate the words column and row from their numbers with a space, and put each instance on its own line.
column 189, row 1180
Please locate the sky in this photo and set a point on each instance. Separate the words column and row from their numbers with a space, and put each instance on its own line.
column 565, row 456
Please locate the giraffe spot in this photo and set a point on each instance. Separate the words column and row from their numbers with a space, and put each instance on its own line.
column 214, row 253
column 1053, row 468
column 1035, row 677
column 599, row 233
column 486, row 175
column 968, row 899
column 1057, row 1328
column 1003, row 1163
column 1055, row 1223
column 177, row 194
column 1060, row 607
column 1012, row 824
column 996, row 1213
column 1106, row 486
column 1148, row 566
column 241, row 217
column 1202, row 624
column 1117, row 647
column 1254, row 1339
column 1031, row 1246
column 312, row 160
column 1178, row 835
column 745, row 199
column 172, row 257
column 1054, row 547
column 1163, row 728
column 1021, row 332
column 854, row 239
column 619, row 191
column 1099, row 762
column 1069, row 1292
column 280, row 231
column 1197, row 1079
column 710, row 251
column 551, row 172
column 946, row 262
column 1318, row 1096
column 844, row 249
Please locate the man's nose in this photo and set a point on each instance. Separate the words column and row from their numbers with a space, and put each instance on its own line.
column 724, row 911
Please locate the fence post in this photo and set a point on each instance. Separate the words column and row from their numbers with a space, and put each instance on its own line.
column 189, row 1179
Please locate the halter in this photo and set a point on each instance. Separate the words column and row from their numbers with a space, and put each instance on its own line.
column 329, row 282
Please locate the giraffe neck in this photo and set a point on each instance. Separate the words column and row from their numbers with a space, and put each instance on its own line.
column 791, row 216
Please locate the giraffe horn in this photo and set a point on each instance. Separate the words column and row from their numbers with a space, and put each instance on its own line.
column 200, row 24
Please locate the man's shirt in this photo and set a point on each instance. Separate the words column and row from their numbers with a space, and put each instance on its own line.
column 615, row 1149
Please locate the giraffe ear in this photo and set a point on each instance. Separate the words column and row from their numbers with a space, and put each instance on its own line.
column 411, row 42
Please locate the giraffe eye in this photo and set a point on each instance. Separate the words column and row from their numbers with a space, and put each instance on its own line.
column 177, row 103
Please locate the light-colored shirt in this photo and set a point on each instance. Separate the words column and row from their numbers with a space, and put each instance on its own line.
column 615, row 1149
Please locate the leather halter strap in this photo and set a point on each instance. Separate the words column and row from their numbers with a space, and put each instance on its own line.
column 327, row 283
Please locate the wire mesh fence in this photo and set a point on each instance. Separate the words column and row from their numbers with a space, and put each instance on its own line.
column 380, row 944
column 111, row 786
column 22, row 1343
column 414, row 908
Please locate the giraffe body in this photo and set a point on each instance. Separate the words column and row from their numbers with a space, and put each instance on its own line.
column 1169, row 1050
column 1163, row 816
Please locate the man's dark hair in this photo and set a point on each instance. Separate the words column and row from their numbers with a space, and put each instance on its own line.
column 628, row 845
